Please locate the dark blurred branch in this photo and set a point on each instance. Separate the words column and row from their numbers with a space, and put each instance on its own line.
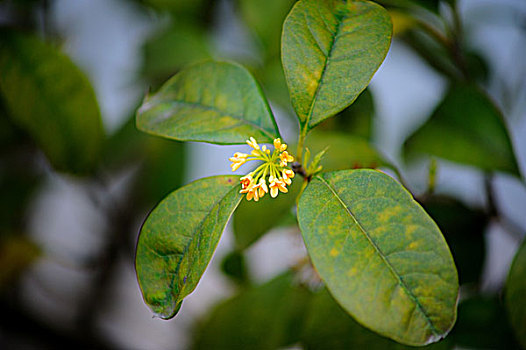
column 457, row 43
column 452, row 44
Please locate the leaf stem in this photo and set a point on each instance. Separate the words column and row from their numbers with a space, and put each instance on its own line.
column 301, row 142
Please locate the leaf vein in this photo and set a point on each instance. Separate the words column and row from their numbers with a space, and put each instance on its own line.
column 221, row 112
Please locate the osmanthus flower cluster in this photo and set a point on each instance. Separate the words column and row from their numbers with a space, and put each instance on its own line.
column 274, row 166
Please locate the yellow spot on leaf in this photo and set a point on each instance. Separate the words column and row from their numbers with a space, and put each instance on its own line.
column 389, row 213
column 352, row 272
column 334, row 252
column 312, row 81
column 413, row 245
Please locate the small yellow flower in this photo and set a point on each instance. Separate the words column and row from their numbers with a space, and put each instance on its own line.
column 252, row 143
column 262, row 187
column 237, row 160
column 285, row 157
column 275, row 185
column 287, row 175
column 279, row 146
column 253, row 193
column 246, row 183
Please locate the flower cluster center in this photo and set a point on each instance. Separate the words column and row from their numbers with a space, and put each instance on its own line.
column 274, row 167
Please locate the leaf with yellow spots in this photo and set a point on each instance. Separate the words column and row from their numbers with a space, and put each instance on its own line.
column 178, row 240
column 216, row 102
column 330, row 51
column 381, row 256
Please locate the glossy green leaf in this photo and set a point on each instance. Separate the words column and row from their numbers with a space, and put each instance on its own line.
column 329, row 327
column 466, row 128
column 345, row 151
column 251, row 219
column 264, row 317
column 216, row 102
column 381, row 256
column 515, row 294
column 47, row 96
column 178, row 240
column 330, row 51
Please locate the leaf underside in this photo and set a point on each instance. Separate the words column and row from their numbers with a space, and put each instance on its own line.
column 381, row 256
column 215, row 102
column 178, row 240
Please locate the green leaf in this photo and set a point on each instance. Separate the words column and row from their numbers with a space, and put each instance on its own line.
column 173, row 48
column 431, row 5
column 273, row 81
column 216, row 102
column 265, row 18
column 357, row 119
column 162, row 162
column 234, row 266
column 47, row 96
column 327, row 326
column 466, row 128
column 463, row 229
column 178, row 240
column 515, row 292
column 381, row 256
column 432, row 52
column 330, row 51
column 345, row 151
column 265, row 317
column 482, row 324
column 251, row 219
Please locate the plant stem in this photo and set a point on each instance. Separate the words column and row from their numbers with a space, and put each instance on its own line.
column 301, row 141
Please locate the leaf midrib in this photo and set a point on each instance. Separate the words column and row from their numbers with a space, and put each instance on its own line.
column 225, row 113
column 383, row 257
column 326, row 64
column 193, row 237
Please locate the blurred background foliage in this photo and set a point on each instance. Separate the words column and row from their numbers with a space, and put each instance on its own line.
column 75, row 187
